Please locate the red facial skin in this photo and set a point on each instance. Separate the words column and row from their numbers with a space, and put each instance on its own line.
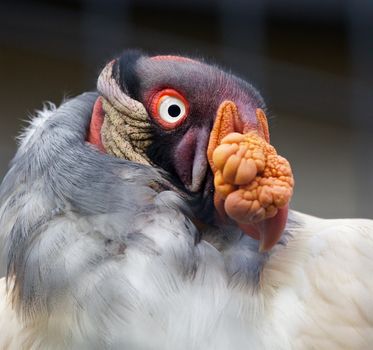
column 94, row 133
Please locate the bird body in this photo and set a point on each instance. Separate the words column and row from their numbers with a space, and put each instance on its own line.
column 105, row 253
column 313, row 293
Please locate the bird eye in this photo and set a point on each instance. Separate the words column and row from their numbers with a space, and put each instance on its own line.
column 169, row 108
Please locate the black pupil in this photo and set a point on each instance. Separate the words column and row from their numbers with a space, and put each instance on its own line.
column 174, row 111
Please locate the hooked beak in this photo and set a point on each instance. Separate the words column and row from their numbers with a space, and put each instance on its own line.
column 239, row 192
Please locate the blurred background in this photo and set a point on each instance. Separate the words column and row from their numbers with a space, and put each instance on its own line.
column 312, row 60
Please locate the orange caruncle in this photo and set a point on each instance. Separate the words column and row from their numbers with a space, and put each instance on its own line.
column 251, row 178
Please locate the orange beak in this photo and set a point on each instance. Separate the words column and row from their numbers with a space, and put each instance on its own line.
column 253, row 185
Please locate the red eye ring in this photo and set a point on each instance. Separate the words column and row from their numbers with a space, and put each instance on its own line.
column 167, row 98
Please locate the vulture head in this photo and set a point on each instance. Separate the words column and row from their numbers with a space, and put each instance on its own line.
column 173, row 113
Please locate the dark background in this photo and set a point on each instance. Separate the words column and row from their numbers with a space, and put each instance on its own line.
column 311, row 59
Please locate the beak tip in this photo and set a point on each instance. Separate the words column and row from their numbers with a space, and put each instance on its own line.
column 263, row 247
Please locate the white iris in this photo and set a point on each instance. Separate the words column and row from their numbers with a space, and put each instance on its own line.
column 171, row 109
